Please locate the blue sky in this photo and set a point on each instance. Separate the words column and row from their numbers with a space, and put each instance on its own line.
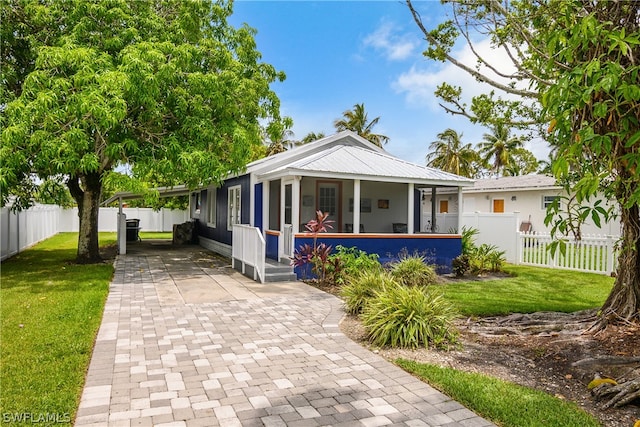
column 339, row 53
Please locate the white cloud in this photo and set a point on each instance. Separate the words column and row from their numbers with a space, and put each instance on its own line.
column 395, row 46
column 419, row 83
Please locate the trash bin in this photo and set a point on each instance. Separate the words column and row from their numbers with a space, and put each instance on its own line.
column 132, row 230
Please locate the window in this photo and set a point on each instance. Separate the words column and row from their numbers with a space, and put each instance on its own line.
column 195, row 200
column 234, row 207
column 548, row 201
column 211, row 207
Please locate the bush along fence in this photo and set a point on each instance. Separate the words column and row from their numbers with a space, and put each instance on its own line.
column 593, row 253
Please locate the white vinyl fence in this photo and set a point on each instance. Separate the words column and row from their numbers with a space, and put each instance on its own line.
column 593, row 253
column 20, row 230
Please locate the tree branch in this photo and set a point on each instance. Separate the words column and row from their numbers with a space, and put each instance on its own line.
column 479, row 76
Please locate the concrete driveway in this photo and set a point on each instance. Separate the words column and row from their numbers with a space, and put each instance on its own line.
column 186, row 341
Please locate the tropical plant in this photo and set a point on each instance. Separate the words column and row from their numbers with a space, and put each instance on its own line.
column 281, row 143
column 356, row 120
column 409, row 317
column 351, row 263
column 317, row 254
column 450, row 155
column 499, row 148
column 486, row 258
column 460, row 265
column 523, row 162
column 468, row 239
column 360, row 289
column 413, row 270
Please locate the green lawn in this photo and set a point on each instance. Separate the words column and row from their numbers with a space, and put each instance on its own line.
column 504, row 403
column 531, row 289
column 51, row 311
column 167, row 235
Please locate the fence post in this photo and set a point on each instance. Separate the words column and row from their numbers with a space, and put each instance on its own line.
column 518, row 246
column 610, row 255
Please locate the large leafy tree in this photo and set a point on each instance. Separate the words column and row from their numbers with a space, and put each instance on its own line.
column 168, row 88
column 499, row 148
column 449, row 154
column 574, row 72
column 357, row 120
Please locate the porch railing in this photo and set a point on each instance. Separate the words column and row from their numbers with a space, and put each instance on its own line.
column 248, row 248
column 593, row 253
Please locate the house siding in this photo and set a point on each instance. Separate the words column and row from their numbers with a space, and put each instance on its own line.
column 220, row 233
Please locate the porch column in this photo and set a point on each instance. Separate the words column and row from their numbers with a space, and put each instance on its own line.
column 410, row 203
column 265, row 206
column 460, row 201
column 433, row 210
column 356, row 206
column 295, row 205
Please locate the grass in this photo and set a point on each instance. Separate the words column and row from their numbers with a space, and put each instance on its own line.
column 51, row 311
column 531, row 289
column 166, row 235
column 504, row 403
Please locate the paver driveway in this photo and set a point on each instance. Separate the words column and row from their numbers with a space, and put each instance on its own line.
column 185, row 341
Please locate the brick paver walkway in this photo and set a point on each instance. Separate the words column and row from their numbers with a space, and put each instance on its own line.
column 225, row 351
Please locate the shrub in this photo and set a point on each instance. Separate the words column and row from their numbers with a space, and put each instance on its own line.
column 412, row 271
column 486, row 258
column 411, row 317
column 460, row 265
column 347, row 263
column 362, row 288
column 468, row 240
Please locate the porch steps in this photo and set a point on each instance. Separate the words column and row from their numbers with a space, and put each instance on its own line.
column 279, row 272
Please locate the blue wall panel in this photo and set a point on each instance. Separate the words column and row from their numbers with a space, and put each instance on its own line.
column 257, row 213
column 272, row 246
column 439, row 251
column 220, row 233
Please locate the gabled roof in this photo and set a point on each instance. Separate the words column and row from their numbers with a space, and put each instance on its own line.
column 347, row 155
column 521, row 183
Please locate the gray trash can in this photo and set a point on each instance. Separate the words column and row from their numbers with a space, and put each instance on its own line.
column 133, row 228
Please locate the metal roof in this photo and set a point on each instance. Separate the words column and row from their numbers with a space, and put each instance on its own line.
column 178, row 190
column 361, row 162
column 524, row 182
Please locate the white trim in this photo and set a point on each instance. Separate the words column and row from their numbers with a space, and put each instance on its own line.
column 356, row 206
column 410, row 206
column 234, row 212
column 212, row 207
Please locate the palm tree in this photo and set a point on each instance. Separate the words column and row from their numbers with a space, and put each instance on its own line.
column 310, row 137
column 449, row 155
column 499, row 148
column 282, row 143
column 356, row 120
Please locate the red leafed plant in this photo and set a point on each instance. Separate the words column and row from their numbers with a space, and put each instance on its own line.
column 318, row 255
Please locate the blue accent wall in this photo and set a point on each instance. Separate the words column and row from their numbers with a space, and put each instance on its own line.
column 220, row 232
column 271, row 246
column 439, row 251
column 257, row 213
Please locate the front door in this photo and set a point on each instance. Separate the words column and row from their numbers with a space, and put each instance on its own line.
column 498, row 205
column 329, row 196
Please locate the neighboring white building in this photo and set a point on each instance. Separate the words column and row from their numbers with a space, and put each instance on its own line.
column 528, row 195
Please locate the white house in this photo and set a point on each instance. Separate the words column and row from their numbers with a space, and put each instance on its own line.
column 528, row 195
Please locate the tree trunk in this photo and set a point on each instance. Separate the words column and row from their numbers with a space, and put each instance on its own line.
column 623, row 303
column 86, row 191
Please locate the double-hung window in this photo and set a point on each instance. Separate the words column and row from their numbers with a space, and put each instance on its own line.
column 212, row 207
column 234, row 207
column 549, row 200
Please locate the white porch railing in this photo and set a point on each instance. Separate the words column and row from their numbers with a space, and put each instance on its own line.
column 248, row 247
column 593, row 253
